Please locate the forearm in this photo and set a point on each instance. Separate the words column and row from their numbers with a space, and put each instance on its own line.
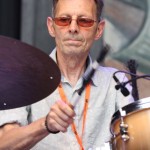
column 23, row 138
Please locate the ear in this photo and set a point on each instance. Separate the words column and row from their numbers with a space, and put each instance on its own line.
column 50, row 26
column 100, row 29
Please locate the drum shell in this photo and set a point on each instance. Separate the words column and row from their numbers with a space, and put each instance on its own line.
column 138, row 123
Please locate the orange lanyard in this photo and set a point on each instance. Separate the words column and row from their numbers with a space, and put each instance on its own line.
column 87, row 96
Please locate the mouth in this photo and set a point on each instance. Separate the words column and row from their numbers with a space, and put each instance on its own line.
column 73, row 42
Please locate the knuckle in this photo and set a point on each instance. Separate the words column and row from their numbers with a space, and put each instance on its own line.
column 53, row 108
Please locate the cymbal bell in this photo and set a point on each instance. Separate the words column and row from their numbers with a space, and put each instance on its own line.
column 27, row 74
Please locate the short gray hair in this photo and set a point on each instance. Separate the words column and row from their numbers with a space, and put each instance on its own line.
column 99, row 5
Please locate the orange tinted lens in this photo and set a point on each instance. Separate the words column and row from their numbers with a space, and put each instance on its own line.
column 85, row 22
column 62, row 21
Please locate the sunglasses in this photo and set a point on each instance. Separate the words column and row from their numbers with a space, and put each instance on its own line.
column 66, row 21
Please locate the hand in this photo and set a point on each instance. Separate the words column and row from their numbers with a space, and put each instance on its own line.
column 60, row 116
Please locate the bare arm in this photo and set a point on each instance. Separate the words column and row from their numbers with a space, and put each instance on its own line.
column 15, row 137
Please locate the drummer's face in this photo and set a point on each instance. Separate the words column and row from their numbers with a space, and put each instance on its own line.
column 74, row 38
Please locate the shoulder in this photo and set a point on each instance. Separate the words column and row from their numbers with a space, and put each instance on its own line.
column 103, row 76
column 110, row 72
column 106, row 71
column 106, row 75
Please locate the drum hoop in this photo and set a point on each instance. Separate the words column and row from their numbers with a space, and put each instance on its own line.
column 132, row 107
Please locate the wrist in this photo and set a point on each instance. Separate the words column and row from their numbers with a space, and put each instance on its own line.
column 47, row 128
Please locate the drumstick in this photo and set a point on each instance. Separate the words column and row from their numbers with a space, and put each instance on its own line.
column 87, row 78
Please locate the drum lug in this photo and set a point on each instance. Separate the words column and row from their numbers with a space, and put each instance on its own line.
column 123, row 125
column 124, row 132
column 125, row 137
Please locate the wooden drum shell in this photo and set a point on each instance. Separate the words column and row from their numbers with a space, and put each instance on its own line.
column 138, row 123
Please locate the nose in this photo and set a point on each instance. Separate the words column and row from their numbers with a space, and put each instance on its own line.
column 73, row 27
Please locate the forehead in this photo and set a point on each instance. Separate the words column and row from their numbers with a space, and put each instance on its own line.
column 76, row 7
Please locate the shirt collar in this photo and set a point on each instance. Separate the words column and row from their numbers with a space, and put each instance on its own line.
column 53, row 55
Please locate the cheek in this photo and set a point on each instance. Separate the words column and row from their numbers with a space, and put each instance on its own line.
column 89, row 33
column 58, row 37
column 89, row 37
column 58, row 32
column 88, row 41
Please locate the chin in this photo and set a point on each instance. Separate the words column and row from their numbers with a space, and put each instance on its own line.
column 73, row 50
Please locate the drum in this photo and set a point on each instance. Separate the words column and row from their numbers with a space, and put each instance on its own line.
column 132, row 132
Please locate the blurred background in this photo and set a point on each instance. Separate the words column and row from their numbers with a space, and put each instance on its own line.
column 127, row 31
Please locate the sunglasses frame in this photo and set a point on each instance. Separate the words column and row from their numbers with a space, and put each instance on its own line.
column 87, row 22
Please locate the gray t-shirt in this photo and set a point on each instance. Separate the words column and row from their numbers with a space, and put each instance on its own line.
column 104, row 101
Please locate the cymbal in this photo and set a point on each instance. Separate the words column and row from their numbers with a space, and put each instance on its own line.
column 27, row 74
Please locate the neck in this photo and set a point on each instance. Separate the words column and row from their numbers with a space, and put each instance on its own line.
column 72, row 67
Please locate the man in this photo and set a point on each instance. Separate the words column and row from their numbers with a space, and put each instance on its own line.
column 53, row 123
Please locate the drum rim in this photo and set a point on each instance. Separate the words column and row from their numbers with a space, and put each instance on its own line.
column 134, row 106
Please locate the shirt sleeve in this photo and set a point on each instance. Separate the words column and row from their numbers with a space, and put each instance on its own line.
column 18, row 115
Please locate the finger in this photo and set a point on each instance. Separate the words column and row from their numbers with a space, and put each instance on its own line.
column 60, row 113
column 55, row 126
column 66, row 108
column 62, row 119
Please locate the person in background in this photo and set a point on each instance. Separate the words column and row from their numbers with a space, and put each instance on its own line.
column 53, row 123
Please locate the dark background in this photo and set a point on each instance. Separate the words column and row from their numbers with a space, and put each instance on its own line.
column 10, row 18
